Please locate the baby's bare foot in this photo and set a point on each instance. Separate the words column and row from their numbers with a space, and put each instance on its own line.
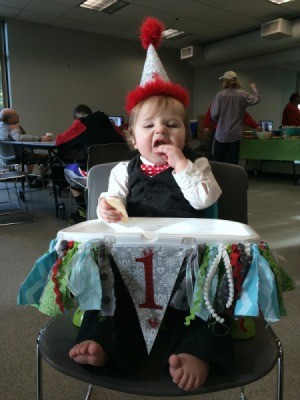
column 187, row 371
column 89, row 352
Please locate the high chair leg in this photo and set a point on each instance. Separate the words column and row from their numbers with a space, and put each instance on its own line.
column 89, row 391
column 242, row 393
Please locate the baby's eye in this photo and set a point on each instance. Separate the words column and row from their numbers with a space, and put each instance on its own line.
column 148, row 126
column 172, row 124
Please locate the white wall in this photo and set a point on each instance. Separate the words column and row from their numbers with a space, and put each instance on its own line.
column 275, row 84
column 54, row 69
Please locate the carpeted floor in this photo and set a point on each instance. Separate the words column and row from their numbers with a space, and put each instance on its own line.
column 274, row 212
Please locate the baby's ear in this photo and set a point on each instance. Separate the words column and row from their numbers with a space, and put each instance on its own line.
column 133, row 142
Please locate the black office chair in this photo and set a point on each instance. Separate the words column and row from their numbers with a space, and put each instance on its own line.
column 105, row 153
column 254, row 357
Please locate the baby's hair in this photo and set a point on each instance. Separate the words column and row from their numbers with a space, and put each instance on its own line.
column 158, row 103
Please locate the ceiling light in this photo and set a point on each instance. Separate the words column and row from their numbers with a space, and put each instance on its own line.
column 107, row 6
column 171, row 33
column 279, row 1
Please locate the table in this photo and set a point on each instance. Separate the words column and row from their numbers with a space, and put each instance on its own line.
column 271, row 150
column 51, row 148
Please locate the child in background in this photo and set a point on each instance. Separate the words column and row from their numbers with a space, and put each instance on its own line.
column 165, row 179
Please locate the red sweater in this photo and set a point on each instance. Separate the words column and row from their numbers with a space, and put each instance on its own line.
column 291, row 115
column 76, row 129
column 209, row 123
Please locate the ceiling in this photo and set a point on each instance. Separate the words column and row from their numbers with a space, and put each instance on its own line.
column 207, row 21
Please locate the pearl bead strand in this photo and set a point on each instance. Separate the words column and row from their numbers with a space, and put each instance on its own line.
column 209, row 277
column 229, row 274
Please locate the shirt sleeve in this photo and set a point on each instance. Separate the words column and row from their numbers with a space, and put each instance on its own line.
column 207, row 119
column 198, row 184
column 71, row 133
column 17, row 134
column 215, row 108
column 251, row 99
column 248, row 120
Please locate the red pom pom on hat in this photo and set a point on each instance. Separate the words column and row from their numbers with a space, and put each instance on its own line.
column 151, row 32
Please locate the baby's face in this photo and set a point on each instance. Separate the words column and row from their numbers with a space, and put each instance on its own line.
column 156, row 127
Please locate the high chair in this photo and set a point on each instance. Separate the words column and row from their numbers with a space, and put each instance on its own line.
column 254, row 357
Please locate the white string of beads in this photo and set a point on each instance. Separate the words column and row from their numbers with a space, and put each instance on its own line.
column 209, row 277
column 229, row 274
column 221, row 254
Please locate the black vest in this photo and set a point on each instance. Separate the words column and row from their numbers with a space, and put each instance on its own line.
column 159, row 196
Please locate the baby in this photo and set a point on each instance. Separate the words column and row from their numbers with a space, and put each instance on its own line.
column 164, row 179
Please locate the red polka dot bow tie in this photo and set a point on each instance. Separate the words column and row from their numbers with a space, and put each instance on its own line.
column 152, row 170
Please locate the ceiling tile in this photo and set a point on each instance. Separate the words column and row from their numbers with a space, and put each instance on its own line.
column 8, row 12
column 15, row 3
column 48, row 7
column 36, row 17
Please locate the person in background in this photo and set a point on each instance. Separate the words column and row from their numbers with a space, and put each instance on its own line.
column 209, row 128
column 10, row 129
column 291, row 112
column 228, row 109
column 165, row 179
column 87, row 129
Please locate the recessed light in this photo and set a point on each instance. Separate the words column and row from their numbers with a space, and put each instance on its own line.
column 171, row 33
column 107, row 6
column 279, row 1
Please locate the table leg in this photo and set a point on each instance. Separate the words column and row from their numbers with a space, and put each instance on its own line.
column 59, row 207
column 294, row 173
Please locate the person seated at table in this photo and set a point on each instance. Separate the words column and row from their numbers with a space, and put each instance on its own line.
column 87, row 129
column 10, row 129
column 291, row 112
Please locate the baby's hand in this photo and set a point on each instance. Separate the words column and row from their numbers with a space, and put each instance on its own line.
column 107, row 212
column 173, row 155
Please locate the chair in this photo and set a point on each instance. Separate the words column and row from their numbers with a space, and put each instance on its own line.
column 105, row 153
column 16, row 196
column 254, row 357
column 96, row 186
column 7, row 155
column 10, row 156
column 99, row 154
column 232, row 179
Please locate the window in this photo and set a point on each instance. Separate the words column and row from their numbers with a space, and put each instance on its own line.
column 3, row 67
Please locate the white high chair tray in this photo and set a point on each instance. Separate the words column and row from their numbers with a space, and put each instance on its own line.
column 162, row 230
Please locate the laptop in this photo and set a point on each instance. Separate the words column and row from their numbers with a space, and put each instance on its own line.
column 117, row 120
column 266, row 125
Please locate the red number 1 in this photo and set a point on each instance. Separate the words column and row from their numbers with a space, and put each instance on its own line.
column 147, row 260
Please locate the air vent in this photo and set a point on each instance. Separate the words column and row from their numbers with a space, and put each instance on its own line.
column 191, row 52
column 278, row 29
